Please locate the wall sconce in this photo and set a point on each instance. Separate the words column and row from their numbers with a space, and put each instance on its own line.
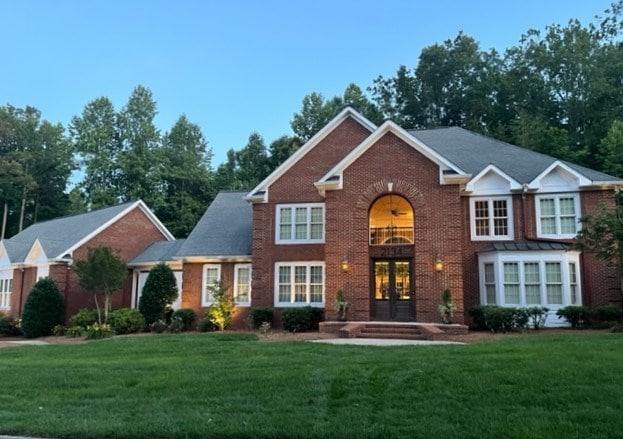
column 438, row 264
column 345, row 265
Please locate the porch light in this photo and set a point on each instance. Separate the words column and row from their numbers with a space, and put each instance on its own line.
column 345, row 265
column 438, row 264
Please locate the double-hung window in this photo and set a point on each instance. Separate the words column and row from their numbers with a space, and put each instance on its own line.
column 211, row 280
column 299, row 283
column 557, row 216
column 300, row 223
column 242, row 284
column 491, row 218
column 6, row 286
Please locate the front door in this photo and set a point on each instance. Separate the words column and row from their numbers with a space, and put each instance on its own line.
column 392, row 285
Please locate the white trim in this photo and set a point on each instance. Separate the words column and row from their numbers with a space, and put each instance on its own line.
column 390, row 127
column 556, row 198
column 535, row 184
column 293, row 207
column 142, row 206
column 303, row 150
column 491, row 236
column 564, row 258
column 6, row 288
column 236, row 283
column 292, row 265
column 513, row 184
column 204, row 282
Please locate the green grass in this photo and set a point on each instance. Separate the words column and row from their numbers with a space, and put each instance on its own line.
column 232, row 386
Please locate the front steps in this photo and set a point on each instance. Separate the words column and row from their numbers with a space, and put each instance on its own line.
column 393, row 330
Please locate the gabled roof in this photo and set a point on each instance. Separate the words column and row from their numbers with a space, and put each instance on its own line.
column 62, row 236
column 473, row 152
column 224, row 230
column 260, row 192
column 161, row 251
column 333, row 177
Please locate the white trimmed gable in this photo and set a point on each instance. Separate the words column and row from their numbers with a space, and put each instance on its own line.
column 5, row 262
column 36, row 256
column 559, row 177
column 260, row 192
column 492, row 181
column 448, row 172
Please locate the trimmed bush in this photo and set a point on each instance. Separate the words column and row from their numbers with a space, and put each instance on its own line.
column 478, row 316
column 188, row 316
column 499, row 318
column 301, row 319
column 605, row 316
column 537, row 316
column 159, row 292
column 206, row 325
column 576, row 316
column 9, row 326
column 221, row 312
column 83, row 318
column 259, row 315
column 44, row 309
column 126, row 321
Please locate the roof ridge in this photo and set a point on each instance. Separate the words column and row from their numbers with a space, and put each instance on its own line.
column 84, row 213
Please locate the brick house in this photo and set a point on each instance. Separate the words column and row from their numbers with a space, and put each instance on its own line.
column 393, row 217
column 49, row 249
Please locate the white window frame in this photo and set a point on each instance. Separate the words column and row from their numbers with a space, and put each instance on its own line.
column 293, row 239
column 293, row 265
column 556, row 197
column 237, row 283
column 564, row 258
column 6, row 288
column 491, row 236
column 205, row 301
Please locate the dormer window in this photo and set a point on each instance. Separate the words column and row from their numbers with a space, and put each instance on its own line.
column 557, row 216
column 491, row 218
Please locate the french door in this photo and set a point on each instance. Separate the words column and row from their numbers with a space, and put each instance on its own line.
column 392, row 289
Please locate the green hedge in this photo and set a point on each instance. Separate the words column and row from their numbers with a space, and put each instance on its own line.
column 301, row 319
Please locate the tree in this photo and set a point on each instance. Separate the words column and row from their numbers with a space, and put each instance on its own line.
column 186, row 177
column 159, row 292
column 602, row 235
column 611, row 150
column 221, row 312
column 281, row 149
column 96, row 138
column 138, row 162
column 44, row 309
column 252, row 163
column 102, row 272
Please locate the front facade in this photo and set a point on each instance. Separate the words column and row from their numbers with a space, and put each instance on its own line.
column 392, row 218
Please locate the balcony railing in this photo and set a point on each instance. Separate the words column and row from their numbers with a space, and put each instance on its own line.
column 391, row 235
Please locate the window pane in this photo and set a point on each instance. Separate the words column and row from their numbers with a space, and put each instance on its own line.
column 285, row 231
column 511, row 272
column 568, row 225
column 532, row 283
column 285, row 288
column 499, row 209
column 490, row 284
column 567, row 207
column 300, row 284
column 548, row 226
column 316, row 231
column 300, row 231
column 553, row 280
column 548, row 207
column 242, row 292
column 482, row 209
column 500, row 227
column 511, row 283
column 316, row 215
column 573, row 284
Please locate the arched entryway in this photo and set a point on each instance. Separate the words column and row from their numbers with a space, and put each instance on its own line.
column 391, row 258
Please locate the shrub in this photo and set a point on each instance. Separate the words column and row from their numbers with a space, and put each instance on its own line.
column 446, row 308
column 301, row 319
column 83, row 318
column 537, row 316
column 9, row 326
column 605, row 316
column 159, row 326
column 576, row 316
column 75, row 331
column 478, row 316
column 176, row 325
column 205, row 325
column 259, row 315
column 188, row 317
column 97, row 331
column 503, row 319
column 59, row 330
column 221, row 311
column 159, row 292
column 126, row 321
column 44, row 309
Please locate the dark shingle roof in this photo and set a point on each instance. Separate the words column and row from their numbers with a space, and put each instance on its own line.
column 59, row 235
column 224, row 230
column 524, row 246
column 473, row 152
column 161, row 251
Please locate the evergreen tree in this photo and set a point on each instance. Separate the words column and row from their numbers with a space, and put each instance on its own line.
column 44, row 309
column 159, row 292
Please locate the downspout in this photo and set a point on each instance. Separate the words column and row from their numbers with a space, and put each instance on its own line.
column 524, row 194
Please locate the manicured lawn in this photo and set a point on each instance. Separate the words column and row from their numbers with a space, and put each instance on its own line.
column 232, row 386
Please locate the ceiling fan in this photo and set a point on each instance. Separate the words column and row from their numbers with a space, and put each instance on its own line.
column 394, row 210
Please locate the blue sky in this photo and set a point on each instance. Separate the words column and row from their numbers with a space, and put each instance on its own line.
column 234, row 67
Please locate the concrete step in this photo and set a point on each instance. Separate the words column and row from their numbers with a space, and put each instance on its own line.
column 402, row 336
column 391, row 329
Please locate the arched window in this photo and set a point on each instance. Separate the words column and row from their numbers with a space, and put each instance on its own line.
column 391, row 221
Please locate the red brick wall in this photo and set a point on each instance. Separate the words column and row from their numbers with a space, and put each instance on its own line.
column 130, row 235
column 23, row 281
column 192, row 291
column 296, row 186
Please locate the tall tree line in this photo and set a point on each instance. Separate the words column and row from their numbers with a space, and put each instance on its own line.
column 558, row 91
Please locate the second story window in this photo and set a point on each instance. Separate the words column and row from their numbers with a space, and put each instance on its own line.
column 491, row 218
column 300, row 223
column 557, row 216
